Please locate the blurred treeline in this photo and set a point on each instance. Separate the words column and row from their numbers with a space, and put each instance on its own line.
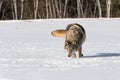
column 45, row 9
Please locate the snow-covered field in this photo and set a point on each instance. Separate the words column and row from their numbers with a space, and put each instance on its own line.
column 28, row 51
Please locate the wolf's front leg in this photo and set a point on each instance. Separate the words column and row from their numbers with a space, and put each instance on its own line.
column 80, row 51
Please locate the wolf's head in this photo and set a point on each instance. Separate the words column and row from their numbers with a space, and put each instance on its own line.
column 70, row 47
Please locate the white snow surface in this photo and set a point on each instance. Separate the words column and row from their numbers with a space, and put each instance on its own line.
column 28, row 51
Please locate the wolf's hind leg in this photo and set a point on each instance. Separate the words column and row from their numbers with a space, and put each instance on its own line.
column 80, row 52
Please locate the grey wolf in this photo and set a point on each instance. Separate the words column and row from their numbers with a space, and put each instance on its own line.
column 74, row 35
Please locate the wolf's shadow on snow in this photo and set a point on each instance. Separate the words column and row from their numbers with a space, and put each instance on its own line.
column 103, row 55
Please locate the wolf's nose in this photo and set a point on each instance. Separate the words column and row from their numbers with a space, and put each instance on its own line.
column 68, row 55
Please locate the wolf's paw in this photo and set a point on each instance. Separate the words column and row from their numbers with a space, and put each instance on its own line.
column 80, row 55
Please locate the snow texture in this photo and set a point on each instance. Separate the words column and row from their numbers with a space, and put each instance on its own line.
column 28, row 51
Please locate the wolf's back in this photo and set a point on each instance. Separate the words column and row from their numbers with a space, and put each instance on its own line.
column 74, row 28
column 75, row 32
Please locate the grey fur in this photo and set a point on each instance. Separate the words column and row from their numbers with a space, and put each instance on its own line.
column 75, row 36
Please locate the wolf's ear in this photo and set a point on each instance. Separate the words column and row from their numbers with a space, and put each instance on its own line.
column 66, row 43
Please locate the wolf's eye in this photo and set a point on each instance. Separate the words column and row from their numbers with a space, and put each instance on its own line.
column 67, row 43
column 74, row 43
